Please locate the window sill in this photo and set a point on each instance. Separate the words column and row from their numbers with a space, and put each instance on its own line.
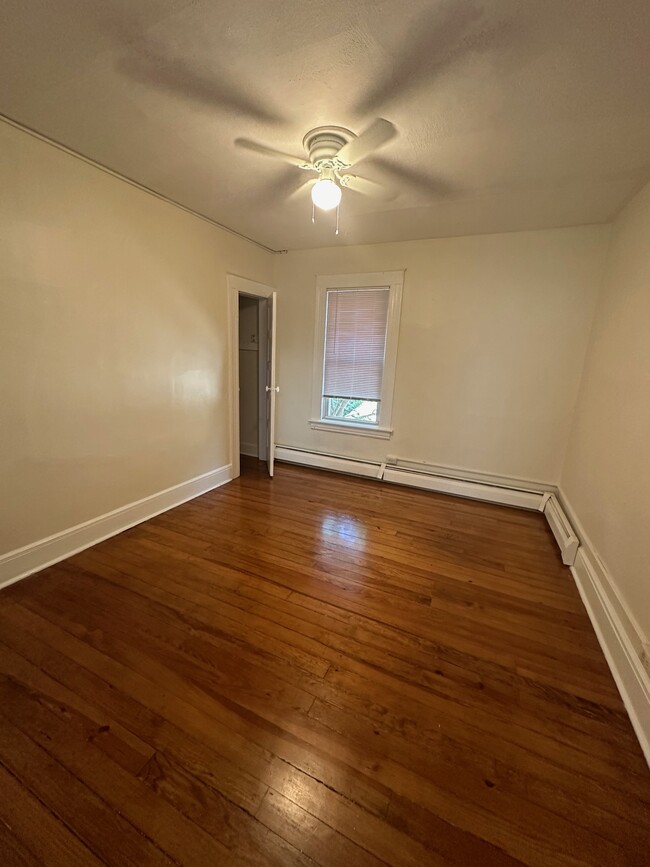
column 364, row 430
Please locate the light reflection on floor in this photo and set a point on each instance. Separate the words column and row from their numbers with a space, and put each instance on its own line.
column 345, row 529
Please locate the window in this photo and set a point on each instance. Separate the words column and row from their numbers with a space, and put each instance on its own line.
column 355, row 352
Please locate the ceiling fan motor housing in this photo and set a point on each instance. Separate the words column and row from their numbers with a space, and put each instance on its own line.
column 324, row 142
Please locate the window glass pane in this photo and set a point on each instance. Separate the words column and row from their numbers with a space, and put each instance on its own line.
column 353, row 409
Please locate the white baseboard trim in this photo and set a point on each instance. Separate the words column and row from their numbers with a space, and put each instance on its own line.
column 622, row 640
column 614, row 599
column 250, row 449
column 31, row 558
column 426, row 478
column 631, row 678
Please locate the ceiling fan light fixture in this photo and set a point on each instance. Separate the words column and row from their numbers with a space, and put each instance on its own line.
column 326, row 194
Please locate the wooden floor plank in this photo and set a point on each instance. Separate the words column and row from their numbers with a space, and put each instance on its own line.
column 37, row 831
column 104, row 831
column 310, row 670
column 14, row 854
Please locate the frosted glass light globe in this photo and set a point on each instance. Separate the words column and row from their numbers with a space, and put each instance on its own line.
column 326, row 194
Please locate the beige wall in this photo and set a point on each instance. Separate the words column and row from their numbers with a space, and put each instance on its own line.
column 606, row 475
column 492, row 341
column 112, row 341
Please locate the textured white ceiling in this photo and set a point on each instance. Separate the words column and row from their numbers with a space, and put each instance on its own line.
column 511, row 115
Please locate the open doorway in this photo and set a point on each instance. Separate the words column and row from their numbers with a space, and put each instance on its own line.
column 253, row 405
column 252, row 307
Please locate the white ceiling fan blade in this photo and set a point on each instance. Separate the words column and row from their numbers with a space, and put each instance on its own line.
column 377, row 134
column 366, row 187
column 306, row 185
column 247, row 144
column 421, row 181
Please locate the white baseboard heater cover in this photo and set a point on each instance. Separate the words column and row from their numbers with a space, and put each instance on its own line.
column 562, row 530
column 425, row 478
column 463, row 488
column 334, row 463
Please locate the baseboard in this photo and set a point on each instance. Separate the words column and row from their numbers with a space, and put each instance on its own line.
column 25, row 561
column 621, row 639
column 425, row 478
column 250, row 449
column 617, row 644
column 606, row 581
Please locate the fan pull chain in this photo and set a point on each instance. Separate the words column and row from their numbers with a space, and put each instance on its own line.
column 313, row 212
column 337, row 217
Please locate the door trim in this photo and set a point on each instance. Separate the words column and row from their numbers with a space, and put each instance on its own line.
column 238, row 286
column 262, row 365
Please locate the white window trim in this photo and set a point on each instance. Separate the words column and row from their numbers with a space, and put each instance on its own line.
column 394, row 281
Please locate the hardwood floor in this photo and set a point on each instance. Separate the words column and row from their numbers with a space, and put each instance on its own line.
column 314, row 670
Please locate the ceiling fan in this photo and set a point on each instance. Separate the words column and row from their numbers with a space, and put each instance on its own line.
column 331, row 151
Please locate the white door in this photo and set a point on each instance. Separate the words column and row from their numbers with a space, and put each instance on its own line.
column 271, row 388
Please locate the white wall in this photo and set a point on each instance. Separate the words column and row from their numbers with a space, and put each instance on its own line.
column 113, row 341
column 248, row 375
column 606, row 475
column 492, row 341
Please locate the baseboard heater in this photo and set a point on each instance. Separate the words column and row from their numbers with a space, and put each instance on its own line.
column 425, row 476
column 561, row 528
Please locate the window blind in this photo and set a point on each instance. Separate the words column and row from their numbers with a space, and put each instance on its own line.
column 355, row 342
